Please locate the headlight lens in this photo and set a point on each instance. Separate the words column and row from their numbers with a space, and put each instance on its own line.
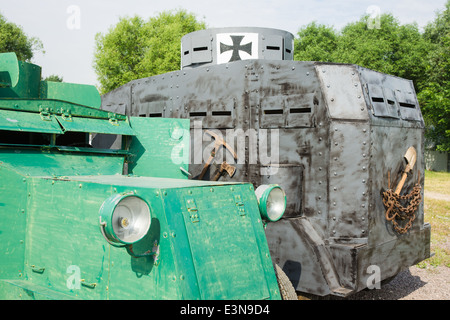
column 272, row 202
column 125, row 219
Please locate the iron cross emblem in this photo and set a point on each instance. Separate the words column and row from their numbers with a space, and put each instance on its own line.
column 236, row 47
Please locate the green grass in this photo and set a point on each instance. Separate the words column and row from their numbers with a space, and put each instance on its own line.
column 437, row 213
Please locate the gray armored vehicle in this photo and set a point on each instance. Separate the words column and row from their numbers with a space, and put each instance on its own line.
column 344, row 142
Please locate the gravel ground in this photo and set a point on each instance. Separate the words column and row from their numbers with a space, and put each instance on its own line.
column 411, row 284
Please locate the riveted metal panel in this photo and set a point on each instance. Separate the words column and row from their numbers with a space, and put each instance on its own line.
column 226, row 226
column 349, row 179
column 342, row 91
column 273, row 47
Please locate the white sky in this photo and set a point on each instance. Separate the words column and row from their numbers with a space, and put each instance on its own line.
column 70, row 51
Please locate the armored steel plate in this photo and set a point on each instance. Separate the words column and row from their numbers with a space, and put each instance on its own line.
column 220, row 224
column 95, row 125
column 28, row 122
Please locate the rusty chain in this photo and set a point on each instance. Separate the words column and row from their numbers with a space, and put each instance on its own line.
column 396, row 211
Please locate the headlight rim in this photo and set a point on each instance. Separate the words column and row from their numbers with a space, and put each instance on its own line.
column 106, row 215
column 262, row 194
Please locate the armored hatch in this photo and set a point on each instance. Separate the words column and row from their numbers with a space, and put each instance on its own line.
column 335, row 136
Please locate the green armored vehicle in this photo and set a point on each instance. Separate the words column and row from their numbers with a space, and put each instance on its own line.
column 79, row 222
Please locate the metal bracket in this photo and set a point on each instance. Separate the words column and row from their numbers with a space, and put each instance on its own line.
column 192, row 209
column 113, row 119
column 87, row 284
column 37, row 269
column 240, row 204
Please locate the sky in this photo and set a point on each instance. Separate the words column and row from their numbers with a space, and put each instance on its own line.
column 67, row 28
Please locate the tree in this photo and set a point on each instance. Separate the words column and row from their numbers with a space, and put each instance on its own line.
column 434, row 96
column 316, row 42
column 13, row 39
column 135, row 48
column 393, row 48
column 54, row 78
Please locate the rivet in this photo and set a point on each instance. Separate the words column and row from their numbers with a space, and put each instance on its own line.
column 334, row 188
column 212, row 189
column 320, row 182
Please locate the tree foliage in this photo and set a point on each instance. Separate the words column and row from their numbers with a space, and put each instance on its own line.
column 14, row 39
column 434, row 95
column 135, row 48
column 54, row 78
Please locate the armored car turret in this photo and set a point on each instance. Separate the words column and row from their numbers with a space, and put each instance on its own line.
column 345, row 143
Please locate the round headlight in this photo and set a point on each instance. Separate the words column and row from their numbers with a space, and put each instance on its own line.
column 272, row 202
column 124, row 219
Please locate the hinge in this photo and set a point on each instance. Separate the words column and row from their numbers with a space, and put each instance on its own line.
column 192, row 209
column 65, row 114
column 113, row 118
column 45, row 113
column 240, row 204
